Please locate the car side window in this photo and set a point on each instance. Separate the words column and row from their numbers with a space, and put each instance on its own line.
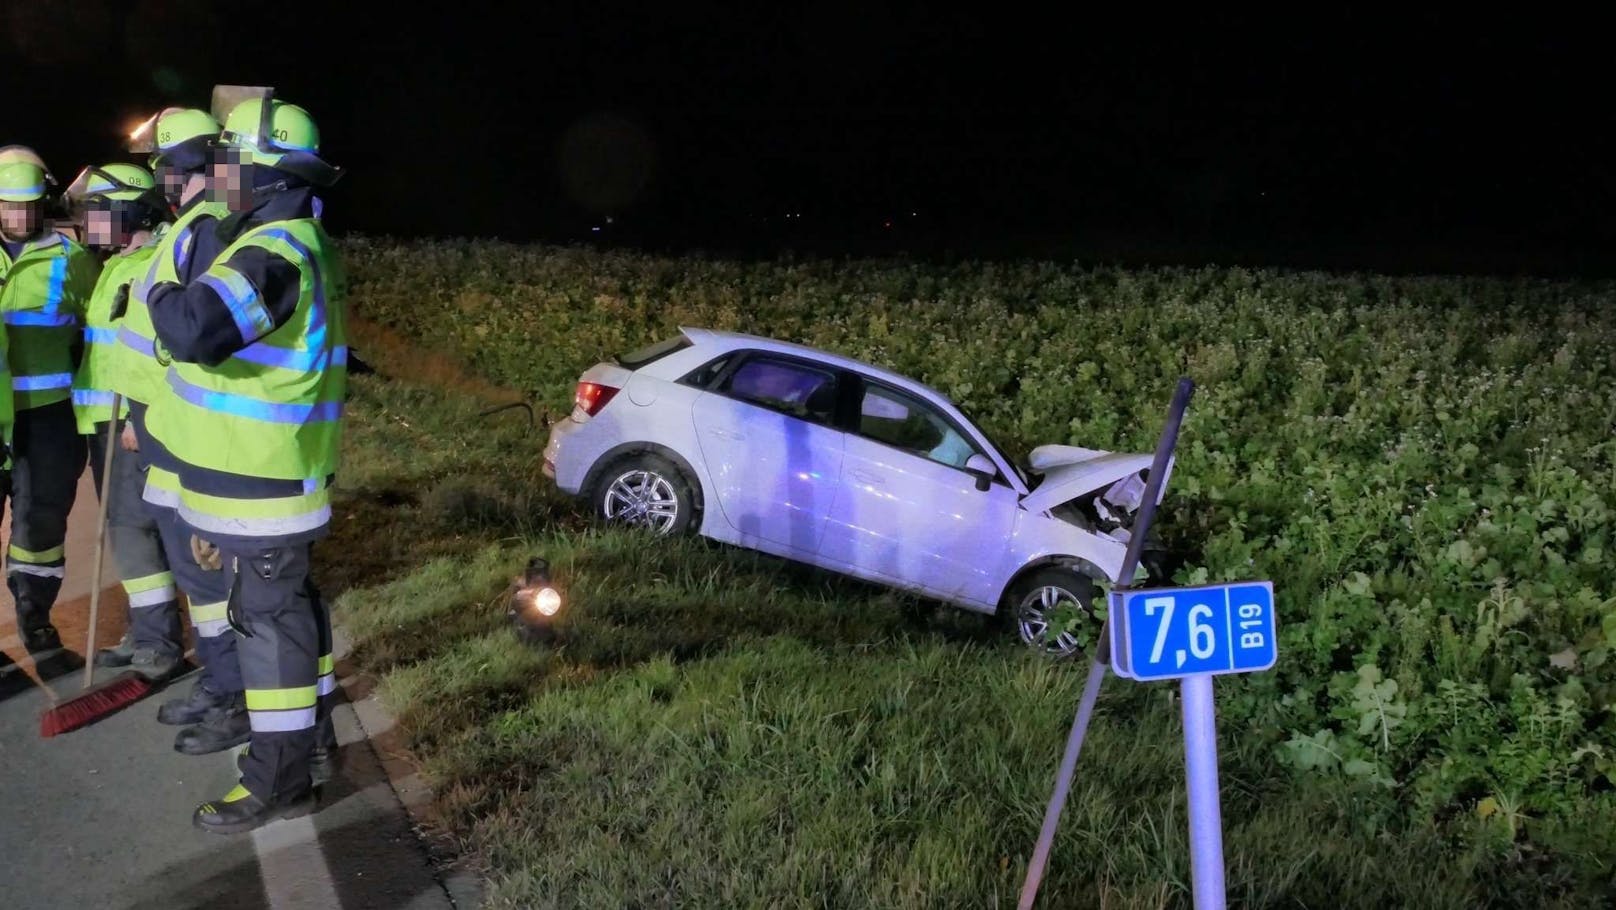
column 702, row 377
column 904, row 422
column 780, row 385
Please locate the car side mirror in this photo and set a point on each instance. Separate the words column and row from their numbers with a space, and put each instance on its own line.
column 981, row 467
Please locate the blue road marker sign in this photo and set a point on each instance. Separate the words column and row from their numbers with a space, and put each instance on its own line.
column 1171, row 633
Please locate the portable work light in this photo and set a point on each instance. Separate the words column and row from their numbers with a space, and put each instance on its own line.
column 535, row 602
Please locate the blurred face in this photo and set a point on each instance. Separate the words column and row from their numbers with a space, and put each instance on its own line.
column 21, row 220
column 105, row 229
column 230, row 180
column 172, row 180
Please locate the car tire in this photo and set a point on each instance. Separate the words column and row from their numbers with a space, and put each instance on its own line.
column 1026, row 608
column 646, row 491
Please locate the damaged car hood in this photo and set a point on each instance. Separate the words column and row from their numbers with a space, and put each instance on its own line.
column 1072, row 471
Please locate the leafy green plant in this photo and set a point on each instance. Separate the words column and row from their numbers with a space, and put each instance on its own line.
column 1424, row 467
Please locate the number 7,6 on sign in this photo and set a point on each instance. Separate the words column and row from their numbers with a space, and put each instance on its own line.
column 1174, row 632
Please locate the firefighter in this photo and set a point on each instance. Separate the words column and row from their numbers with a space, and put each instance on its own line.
column 258, row 351
column 48, row 279
column 214, row 713
column 122, row 210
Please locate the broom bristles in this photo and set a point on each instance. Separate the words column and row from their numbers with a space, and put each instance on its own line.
column 89, row 707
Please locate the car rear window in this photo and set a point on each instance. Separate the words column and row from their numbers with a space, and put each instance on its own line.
column 633, row 360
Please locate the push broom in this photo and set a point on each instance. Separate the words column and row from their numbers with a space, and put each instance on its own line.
column 128, row 687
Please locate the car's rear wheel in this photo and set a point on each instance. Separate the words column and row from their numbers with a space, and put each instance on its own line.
column 646, row 491
column 1048, row 598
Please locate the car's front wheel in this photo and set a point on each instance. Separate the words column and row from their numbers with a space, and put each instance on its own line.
column 1052, row 610
column 646, row 491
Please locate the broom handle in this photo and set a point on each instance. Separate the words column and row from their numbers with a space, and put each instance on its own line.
column 100, row 539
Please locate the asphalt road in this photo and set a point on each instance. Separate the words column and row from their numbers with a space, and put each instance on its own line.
column 101, row 817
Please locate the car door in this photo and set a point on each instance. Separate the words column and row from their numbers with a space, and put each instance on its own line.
column 908, row 512
column 767, row 434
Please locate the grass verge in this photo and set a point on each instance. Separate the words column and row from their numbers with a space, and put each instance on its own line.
column 718, row 728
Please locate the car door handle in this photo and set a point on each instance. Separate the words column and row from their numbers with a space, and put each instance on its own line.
column 726, row 434
column 865, row 477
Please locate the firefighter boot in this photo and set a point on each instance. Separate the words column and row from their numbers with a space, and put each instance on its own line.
column 223, row 728
column 240, row 811
column 119, row 655
column 192, row 709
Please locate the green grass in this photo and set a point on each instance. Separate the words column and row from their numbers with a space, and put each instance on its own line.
column 1426, row 469
column 719, row 728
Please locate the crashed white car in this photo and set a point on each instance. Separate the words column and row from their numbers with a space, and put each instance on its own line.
column 824, row 460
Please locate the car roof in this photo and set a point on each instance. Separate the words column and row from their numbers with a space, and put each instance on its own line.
column 735, row 340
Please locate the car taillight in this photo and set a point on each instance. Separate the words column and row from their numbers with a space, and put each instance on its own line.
column 592, row 396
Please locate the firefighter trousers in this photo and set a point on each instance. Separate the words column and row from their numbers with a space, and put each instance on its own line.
column 284, row 645
column 207, row 593
column 137, row 549
column 47, row 455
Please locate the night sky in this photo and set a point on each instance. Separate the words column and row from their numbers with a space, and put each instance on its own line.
column 1407, row 144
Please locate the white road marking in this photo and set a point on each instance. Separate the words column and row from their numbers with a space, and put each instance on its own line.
column 290, row 861
column 293, row 867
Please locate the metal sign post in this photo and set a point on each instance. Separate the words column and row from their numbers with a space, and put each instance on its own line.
column 1091, row 688
column 1193, row 634
column 1188, row 634
column 1201, row 780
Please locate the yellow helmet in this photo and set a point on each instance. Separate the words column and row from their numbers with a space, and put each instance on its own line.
column 120, row 182
column 272, row 133
column 176, row 137
column 21, row 181
column 25, row 176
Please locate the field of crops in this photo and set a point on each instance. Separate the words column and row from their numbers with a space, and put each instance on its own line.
column 1425, row 469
